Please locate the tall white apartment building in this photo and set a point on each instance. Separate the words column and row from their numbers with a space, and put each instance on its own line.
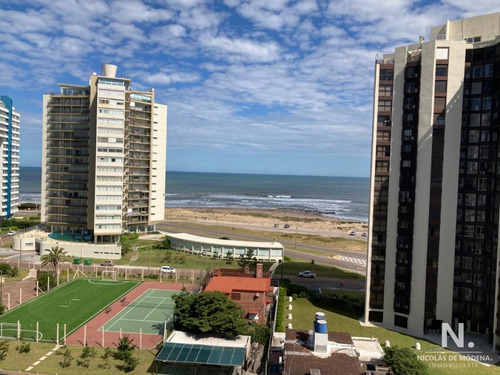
column 435, row 182
column 9, row 151
column 103, row 159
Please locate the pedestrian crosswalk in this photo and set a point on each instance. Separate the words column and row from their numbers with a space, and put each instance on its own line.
column 353, row 260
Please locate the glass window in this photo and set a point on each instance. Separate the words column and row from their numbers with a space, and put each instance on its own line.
column 385, row 105
column 386, row 74
column 440, row 86
column 476, row 88
column 477, row 71
column 441, row 70
column 475, row 104
column 488, row 70
column 385, row 90
column 487, row 103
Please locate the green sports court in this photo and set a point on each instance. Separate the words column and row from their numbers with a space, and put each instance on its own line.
column 148, row 313
column 72, row 304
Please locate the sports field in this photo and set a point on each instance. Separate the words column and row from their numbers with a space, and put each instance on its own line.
column 148, row 313
column 72, row 304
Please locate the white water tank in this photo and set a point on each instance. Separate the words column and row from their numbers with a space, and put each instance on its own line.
column 109, row 70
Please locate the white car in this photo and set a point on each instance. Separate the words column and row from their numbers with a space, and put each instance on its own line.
column 307, row 274
column 168, row 269
column 11, row 233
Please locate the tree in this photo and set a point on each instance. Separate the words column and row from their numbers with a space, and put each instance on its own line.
column 54, row 257
column 404, row 362
column 209, row 312
column 246, row 258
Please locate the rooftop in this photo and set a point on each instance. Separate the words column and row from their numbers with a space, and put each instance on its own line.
column 229, row 284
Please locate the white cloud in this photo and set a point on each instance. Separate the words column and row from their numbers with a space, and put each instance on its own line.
column 244, row 48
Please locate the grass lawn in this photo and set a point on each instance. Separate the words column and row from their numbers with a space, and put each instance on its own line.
column 71, row 304
column 51, row 364
column 177, row 259
column 359, row 294
column 347, row 321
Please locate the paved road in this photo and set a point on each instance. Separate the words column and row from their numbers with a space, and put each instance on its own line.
column 324, row 282
column 349, row 260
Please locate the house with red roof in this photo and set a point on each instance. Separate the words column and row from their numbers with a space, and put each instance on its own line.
column 253, row 293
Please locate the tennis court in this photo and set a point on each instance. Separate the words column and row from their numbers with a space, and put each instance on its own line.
column 148, row 312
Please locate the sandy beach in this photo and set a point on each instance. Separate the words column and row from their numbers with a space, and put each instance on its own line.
column 275, row 219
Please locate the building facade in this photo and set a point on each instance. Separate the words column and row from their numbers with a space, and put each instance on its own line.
column 435, row 182
column 9, row 149
column 103, row 159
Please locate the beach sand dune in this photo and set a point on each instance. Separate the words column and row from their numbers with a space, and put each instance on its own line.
column 302, row 222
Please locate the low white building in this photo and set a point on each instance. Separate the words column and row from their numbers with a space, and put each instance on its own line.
column 262, row 251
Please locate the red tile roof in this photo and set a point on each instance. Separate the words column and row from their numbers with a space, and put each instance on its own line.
column 229, row 284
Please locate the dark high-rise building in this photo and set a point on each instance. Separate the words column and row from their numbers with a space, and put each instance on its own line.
column 435, row 181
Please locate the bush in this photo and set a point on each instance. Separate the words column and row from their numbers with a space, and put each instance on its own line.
column 25, row 347
column 107, row 353
column 281, row 311
column 130, row 363
column 67, row 358
column 403, row 361
column 83, row 362
column 87, row 352
column 5, row 268
column 2, row 308
column 260, row 333
column 4, row 348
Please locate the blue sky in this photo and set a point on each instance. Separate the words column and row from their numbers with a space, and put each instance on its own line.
column 264, row 86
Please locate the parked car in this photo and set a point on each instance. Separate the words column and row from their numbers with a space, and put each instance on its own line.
column 307, row 274
column 224, row 238
column 364, row 234
column 107, row 263
column 353, row 233
column 168, row 269
column 276, row 225
column 11, row 233
column 287, row 225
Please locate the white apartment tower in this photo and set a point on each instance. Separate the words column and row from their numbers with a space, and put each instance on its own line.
column 9, row 150
column 433, row 251
column 103, row 159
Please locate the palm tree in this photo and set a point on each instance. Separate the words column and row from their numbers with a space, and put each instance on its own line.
column 54, row 257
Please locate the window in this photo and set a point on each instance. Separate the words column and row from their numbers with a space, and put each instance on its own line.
column 474, row 119
column 473, row 152
column 476, row 88
column 440, row 86
column 475, row 104
column 487, row 103
column 470, row 200
column 385, row 90
column 486, row 119
column 236, row 296
column 488, row 70
column 477, row 71
column 439, row 105
column 439, row 119
column 478, row 279
column 474, row 136
column 386, row 74
column 406, row 163
column 385, row 105
column 441, row 70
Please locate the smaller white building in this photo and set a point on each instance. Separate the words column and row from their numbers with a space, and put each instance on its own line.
column 262, row 251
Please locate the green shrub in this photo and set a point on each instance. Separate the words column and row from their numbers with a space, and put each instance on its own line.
column 67, row 358
column 281, row 311
column 25, row 347
column 88, row 352
column 260, row 333
column 4, row 348
column 403, row 361
column 5, row 268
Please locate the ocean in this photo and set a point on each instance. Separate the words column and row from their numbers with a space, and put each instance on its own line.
column 339, row 197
